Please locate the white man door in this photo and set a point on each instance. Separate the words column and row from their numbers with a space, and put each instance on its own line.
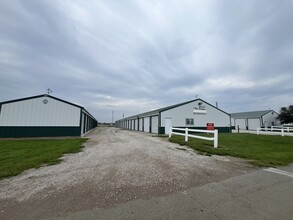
column 168, row 124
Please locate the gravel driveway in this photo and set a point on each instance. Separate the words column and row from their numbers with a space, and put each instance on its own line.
column 115, row 166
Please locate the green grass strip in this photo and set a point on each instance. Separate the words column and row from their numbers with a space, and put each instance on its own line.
column 19, row 155
column 261, row 150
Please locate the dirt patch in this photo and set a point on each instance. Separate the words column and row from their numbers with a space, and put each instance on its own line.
column 115, row 166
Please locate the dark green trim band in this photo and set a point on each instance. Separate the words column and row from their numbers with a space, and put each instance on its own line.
column 161, row 130
column 38, row 131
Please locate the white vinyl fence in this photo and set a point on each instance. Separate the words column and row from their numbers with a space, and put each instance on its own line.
column 186, row 134
column 274, row 129
column 286, row 129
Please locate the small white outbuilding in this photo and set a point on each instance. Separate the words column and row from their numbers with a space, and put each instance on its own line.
column 193, row 114
column 255, row 119
column 43, row 116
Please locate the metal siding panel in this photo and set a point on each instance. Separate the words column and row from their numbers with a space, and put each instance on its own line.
column 179, row 114
column 232, row 122
column 33, row 112
column 269, row 119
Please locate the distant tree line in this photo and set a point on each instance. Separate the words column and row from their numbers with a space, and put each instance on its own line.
column 286, row 114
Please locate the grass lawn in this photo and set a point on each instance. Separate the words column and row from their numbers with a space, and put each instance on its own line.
column 261, row 150
column 19, row 155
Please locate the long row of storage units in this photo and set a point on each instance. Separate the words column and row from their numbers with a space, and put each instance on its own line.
column 43, row 116
column 193, row 114
column 147, row 123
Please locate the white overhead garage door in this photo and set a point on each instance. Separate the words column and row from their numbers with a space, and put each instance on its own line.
column 155, row 124
column 146, row 122
column 140, row 124
column 132, row 124
column 136, row 124
column 253, row 123
column 240, row 123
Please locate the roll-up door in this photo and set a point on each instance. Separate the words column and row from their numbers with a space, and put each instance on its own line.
column 140, row 124
column 136, row 124
column 155, row 124
column 241, row 123
column 253, row 123
column 146, row 124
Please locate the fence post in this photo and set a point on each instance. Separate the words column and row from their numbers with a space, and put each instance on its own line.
column 186, row 134
column 216, row 138
column 282, row 131
column 272, row 128
column 170, row 132
column 257, row 130
column 288, row 129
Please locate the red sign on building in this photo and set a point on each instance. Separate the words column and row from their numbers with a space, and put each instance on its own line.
column 210, row 126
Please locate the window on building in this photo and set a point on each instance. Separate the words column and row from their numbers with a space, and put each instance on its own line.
column 189, row 121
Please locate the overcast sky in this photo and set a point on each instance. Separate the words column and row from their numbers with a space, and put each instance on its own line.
column 131, row 56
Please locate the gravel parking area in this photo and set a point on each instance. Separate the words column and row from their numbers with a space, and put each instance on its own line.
column 115, row 166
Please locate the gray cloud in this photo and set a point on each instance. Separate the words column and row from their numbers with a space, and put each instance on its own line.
column 133, row 56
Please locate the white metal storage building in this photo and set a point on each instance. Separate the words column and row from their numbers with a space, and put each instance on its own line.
column 255, row 119
column 194, row 114
column 43, row 116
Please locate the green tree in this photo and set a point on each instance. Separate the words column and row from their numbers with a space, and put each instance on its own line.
column 286, row 115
